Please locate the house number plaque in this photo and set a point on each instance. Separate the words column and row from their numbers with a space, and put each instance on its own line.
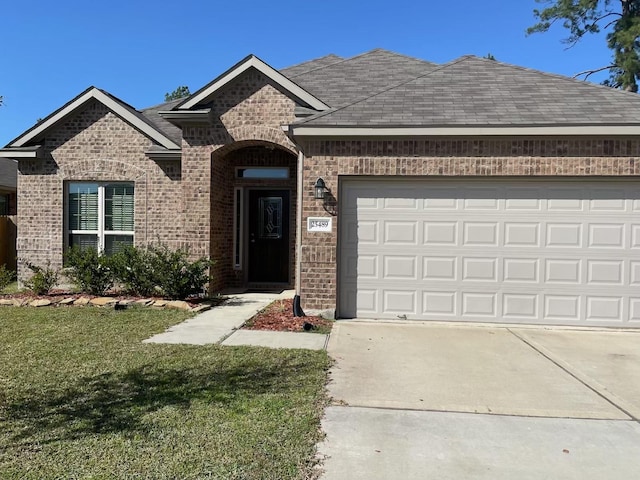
column 319, row 224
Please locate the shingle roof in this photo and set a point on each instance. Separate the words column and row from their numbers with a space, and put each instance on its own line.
column 169, row 129
column 309, row 65
column 475, row 91
column 343, row 82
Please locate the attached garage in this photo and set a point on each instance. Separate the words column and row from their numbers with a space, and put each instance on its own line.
column 563, row 252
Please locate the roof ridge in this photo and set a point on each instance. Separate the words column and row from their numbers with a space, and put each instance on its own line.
column 384, row 90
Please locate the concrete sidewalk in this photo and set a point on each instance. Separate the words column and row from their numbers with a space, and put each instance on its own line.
column 222, row 325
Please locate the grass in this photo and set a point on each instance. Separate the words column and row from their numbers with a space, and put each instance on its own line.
column 82, row 397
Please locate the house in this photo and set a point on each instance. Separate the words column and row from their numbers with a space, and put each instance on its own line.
column 379, row 186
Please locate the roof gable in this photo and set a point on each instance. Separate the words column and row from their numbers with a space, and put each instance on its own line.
column 117, row 106
column 478, row 92
column 209, row 90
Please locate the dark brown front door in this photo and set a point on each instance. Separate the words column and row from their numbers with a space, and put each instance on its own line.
column 268, row 236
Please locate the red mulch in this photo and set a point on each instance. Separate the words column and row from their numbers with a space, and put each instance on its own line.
column 278, row 316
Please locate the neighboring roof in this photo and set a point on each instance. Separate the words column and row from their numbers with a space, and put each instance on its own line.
column 479, row 92
column 117, row 106
column 8, row 173
column 206, row 93
column 352, row 79
column 309, row 65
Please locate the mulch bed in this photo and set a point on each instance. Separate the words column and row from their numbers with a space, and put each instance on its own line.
column 278, row 316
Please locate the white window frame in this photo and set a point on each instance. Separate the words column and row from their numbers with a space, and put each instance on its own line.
column 101, row 232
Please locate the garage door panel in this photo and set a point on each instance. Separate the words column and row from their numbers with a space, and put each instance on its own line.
column 609, row 235
column 520, row 306
column 400, row 267
column 479, row 269
column 399, row 302
column 441, row 303
column 445, row 268
column 401, row 233
column 564, row 308
column 480, row 233
column 516, row 251
column 518, row 234
column 521, row 270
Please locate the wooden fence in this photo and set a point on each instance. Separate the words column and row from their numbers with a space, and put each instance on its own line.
column 8, row 234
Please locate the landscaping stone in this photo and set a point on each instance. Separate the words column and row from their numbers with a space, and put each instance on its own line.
column 102, row 301
column 178, row 304
column 40, row 303
column 66, row 301
column 200, row 308
column 82, row 301
column 19, row 302
column 145, row 301
column 159, row 303
column 6, row 301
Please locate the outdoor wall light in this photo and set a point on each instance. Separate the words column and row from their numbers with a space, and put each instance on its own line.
column 319, row 189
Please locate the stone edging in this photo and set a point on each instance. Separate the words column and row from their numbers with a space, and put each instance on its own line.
column 105, row 302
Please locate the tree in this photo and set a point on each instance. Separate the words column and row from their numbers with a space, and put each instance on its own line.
column 619, row 18
column 1, row 100
column 180, row 92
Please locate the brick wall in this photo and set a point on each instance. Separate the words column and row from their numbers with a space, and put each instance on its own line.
column 94, row 145
column 248, row 113
column 331, row 159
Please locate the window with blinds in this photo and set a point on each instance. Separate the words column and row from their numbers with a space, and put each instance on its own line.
column 100, row 215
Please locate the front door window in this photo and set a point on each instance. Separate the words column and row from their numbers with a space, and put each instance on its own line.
column 268, row 236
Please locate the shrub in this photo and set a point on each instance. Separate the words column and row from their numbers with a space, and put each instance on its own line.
column 42, row 280
column 6, row 277
column 176, row 275
column 90, row 271
column 134, row 268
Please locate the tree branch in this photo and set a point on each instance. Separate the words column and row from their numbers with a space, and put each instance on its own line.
column 588, row 73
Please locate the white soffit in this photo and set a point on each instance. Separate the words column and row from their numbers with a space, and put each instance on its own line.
column 111, row 104
column 254, row 62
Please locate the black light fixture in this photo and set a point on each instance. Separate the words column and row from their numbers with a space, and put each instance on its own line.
column 319, row 189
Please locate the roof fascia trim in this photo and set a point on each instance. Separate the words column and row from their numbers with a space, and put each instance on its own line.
column 553, row 130
column 180, row 117
column 107, row 101
column 265, row 69
column 16, row 153
column 164, row 154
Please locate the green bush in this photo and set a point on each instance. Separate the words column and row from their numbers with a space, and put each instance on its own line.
column 134, row 269
column 176, row 275
column 6, row 277
column 89, row 270
column 42, row 280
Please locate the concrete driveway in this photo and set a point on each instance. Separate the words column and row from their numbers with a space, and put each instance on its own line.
column 446, row 401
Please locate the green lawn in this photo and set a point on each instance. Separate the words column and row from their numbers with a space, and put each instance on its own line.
column 82, row 397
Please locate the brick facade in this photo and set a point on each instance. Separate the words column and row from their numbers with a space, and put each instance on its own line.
column 191, row 202
column 333, row 159
column 94, row 145
column 187, row 203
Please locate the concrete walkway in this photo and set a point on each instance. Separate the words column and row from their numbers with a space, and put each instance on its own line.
column 221, row 325
column 417, row 400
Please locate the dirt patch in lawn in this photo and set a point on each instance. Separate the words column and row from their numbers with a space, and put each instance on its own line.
column 278, row 316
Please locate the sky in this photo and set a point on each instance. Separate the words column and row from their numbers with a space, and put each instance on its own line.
column 138, row 50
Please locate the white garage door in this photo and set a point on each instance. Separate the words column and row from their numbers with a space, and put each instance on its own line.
column 515, row 251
